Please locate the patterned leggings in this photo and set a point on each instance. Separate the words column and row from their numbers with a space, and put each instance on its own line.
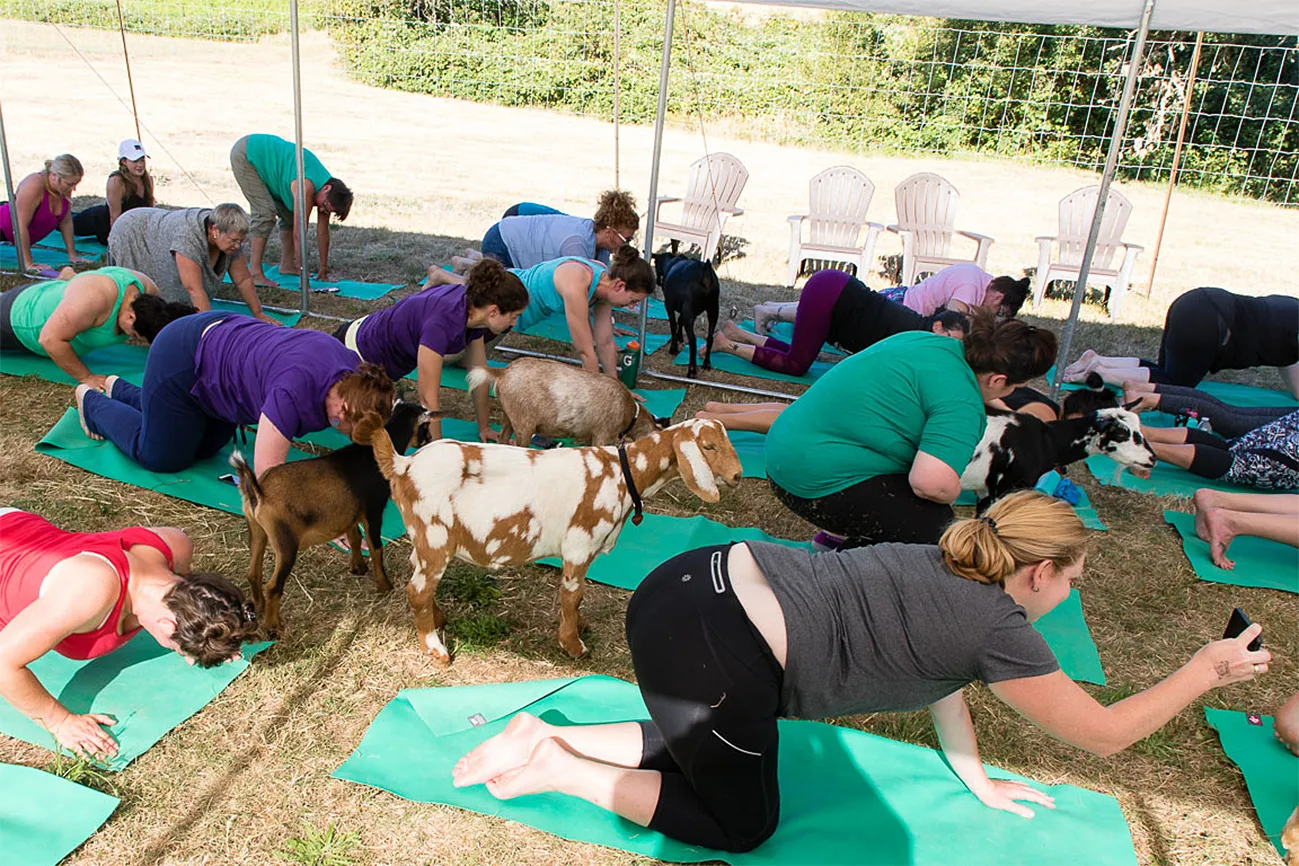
column 1266, row 458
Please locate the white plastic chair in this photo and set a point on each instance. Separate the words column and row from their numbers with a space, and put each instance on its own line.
column 715, row 184
column 926, row 218
column 837, row 202
column 1076, row 211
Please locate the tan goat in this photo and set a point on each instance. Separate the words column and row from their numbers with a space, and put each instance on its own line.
column 554, row 399
column 496, row 505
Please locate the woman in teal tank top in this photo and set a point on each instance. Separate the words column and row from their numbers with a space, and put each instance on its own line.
column 586, row 292
column 65, row 318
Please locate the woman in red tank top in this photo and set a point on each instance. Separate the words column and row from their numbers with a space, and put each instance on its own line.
column 84, row 594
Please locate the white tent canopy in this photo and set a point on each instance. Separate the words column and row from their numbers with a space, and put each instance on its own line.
column 1213, row 16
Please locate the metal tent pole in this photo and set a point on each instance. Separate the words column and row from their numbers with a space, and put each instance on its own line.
column 654, row 163
column 300, row 206
column 9, row 193
column 1177, row 160
column 126, row 57
column 1107, row 177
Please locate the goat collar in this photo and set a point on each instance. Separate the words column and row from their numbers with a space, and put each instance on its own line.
column 627, row 429
column 638, row 507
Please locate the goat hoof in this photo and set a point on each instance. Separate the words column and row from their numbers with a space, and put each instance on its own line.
column 360, row 570
column 578, row 652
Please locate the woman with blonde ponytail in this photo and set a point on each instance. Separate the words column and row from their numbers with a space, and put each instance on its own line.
column 44, row 203
column 727, row 640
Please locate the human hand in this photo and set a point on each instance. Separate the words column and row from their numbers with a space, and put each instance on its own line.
column 83, row 735
column 487, row 434
column 79, row 260
column 99, row 383
column 268, row 319
column 637, row 397
column 1002, row 794
column 1231, row 661
column 1285, row 724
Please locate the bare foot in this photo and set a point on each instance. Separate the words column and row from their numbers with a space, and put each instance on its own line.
column 1083, row 363
column 1214, row 526
column 261, row 281
column 508, row 750
column 1139, row 401
column 460, row 264
column 548, row 763
column 722, row 343
column 734, row 331
column 1204, row 499
column 81, row 392
column 436, row 276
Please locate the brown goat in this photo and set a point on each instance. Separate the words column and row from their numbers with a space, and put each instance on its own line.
column 496, row 505
column 308, row 502
column 554, row 399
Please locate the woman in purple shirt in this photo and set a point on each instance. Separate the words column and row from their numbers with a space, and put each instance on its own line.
column 429, row 328
column 220, row 370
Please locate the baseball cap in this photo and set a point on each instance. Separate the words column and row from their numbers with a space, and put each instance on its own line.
column 130, row 149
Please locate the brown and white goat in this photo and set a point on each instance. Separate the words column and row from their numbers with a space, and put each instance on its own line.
column 554, row 399
column 497, row 505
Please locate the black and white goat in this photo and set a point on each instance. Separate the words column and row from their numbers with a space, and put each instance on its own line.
column 1017, row 449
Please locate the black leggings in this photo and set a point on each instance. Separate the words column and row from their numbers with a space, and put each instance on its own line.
column 1230, row 421
column 712, row 687
column 94, row 221
column 1212, row 454
column 879, row 509
column 1194, row 333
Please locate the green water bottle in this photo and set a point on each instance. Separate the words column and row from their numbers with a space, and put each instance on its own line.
column 629, row 364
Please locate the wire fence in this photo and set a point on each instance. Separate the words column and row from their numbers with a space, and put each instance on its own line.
column 834, row 79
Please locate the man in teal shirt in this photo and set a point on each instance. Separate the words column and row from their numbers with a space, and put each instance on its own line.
column 266, row 169
column 874, row 450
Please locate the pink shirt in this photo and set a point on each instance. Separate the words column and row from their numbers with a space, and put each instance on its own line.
column 965, row 282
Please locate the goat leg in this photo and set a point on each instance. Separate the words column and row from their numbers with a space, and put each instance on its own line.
column 373, row 523
column 427, row 566
column 257, row 549
column 571, row 623
column 673, row 328
column 712, row 328
column 285, row 545
column 357, row 563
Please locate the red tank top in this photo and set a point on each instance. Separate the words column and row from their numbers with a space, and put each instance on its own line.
column 30, row 546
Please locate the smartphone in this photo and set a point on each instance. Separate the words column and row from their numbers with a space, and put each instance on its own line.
column 229, row 478
column 1237, row 624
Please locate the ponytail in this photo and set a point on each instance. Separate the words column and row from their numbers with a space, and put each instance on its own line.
column 489, row 282
column 1020, row 529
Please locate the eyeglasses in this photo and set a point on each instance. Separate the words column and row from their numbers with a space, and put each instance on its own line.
column 621, row 237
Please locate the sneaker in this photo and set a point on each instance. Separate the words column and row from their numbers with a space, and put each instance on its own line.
column 824, row 542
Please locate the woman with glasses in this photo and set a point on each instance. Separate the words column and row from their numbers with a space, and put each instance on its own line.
column 525, row 241
column 44, row 203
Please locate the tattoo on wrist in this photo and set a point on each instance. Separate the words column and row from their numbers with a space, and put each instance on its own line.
column 1223, row 669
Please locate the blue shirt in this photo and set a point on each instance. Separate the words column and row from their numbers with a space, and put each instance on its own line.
column 532, row 240
column 543, row 298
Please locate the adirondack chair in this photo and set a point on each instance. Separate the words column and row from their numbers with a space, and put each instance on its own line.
column 926, row 218
column 1076, row 211
column 837, row 202
column 715, row 184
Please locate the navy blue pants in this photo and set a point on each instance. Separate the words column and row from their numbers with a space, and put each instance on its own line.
column 162, row 426
column 494, row 247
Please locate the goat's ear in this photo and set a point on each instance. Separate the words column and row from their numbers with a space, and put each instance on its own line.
column 694, row 468
column 662, row 423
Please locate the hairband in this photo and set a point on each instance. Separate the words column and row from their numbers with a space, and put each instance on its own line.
column 992, row 524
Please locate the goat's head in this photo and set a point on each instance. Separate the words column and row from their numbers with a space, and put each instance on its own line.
column 408, row 426
column 1116, row 433
column 705, row 456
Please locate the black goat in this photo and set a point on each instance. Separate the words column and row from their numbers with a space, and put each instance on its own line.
column 690, row 287
column 1017, row 449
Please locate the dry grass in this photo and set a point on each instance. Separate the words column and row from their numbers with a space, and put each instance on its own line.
column 246, row 774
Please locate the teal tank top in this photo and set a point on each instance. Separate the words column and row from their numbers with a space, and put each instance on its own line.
column 543, row 299
column 33, row 308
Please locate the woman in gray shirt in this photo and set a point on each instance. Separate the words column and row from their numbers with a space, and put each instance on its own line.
column 726, row 640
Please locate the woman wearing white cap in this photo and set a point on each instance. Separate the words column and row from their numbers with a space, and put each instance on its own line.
column 129, row 187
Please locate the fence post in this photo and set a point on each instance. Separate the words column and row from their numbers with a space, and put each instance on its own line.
column 300, row 214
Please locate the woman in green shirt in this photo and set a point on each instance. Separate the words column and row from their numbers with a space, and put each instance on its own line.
column 65, row 318
column 874, row 450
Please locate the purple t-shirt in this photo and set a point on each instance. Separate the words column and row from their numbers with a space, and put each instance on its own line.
column 434, row 318
column 246, row 368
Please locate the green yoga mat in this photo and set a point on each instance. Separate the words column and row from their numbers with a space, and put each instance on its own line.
column 784, row 331
column 40, row 255
column 199, row 483
column 124, row 359
column 556, row 328
column 1065, row 630
column 147, row 688
column 1259, row 561
column 86, row 245
column 847, row 797
column 640, row 549
column 752, row 448
column 44, row 818
column 1165, row 479
column 741, row 367
column 1271, row 772
column 1227, row 392
column 345, row 288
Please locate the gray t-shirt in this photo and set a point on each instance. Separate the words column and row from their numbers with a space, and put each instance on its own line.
column 532, row 240
column 147, row 239
column 891, row 628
